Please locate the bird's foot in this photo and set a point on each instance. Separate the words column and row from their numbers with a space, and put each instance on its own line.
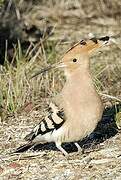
column 58, row 145
column 78, row 147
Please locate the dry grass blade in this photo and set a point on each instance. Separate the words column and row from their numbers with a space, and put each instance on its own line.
column 23, row 156
column 110, row 97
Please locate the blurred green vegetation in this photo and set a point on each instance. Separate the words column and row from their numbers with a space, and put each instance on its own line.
column 1, row 2
column 17, row 88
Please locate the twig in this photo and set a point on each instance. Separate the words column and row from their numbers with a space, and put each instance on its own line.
column 15, row 157
column 110, row 97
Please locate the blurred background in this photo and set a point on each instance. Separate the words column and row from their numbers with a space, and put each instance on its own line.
column 35, row 33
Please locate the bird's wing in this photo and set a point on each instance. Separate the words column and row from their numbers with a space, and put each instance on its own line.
column 53, row 121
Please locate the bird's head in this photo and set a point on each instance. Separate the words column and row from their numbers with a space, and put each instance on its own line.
column 78, row 55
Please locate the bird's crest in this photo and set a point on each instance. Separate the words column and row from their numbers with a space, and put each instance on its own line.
column 87, row 46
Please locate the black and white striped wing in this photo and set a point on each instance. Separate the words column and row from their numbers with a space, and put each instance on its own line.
column 53, row 121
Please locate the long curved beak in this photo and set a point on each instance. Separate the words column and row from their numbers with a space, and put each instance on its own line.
column 42, row 71
column 48, row 68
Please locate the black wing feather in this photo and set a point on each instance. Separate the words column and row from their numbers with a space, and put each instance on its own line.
column 39, row 130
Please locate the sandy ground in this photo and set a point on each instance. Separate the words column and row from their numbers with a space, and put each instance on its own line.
column 100, row 157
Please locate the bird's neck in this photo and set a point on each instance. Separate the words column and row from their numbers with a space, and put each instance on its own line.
column 79, row 96
column 81, row 78
column 80, row 85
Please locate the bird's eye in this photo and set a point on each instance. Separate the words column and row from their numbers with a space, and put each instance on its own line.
column 74, row 60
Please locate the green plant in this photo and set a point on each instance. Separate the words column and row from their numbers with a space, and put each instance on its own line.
column 16, row 86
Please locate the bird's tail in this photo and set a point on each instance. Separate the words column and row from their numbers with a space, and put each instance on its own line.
column 24, row 147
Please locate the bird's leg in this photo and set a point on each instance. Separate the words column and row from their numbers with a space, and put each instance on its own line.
column 78, row 147
column 32, row 147
column 58, row 145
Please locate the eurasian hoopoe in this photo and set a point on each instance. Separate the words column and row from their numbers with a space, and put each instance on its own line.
column 78, row 108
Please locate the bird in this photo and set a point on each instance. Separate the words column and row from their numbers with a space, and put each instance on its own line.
column 75, row 112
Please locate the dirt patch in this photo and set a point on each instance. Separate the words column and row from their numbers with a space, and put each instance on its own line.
column 100, row 157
